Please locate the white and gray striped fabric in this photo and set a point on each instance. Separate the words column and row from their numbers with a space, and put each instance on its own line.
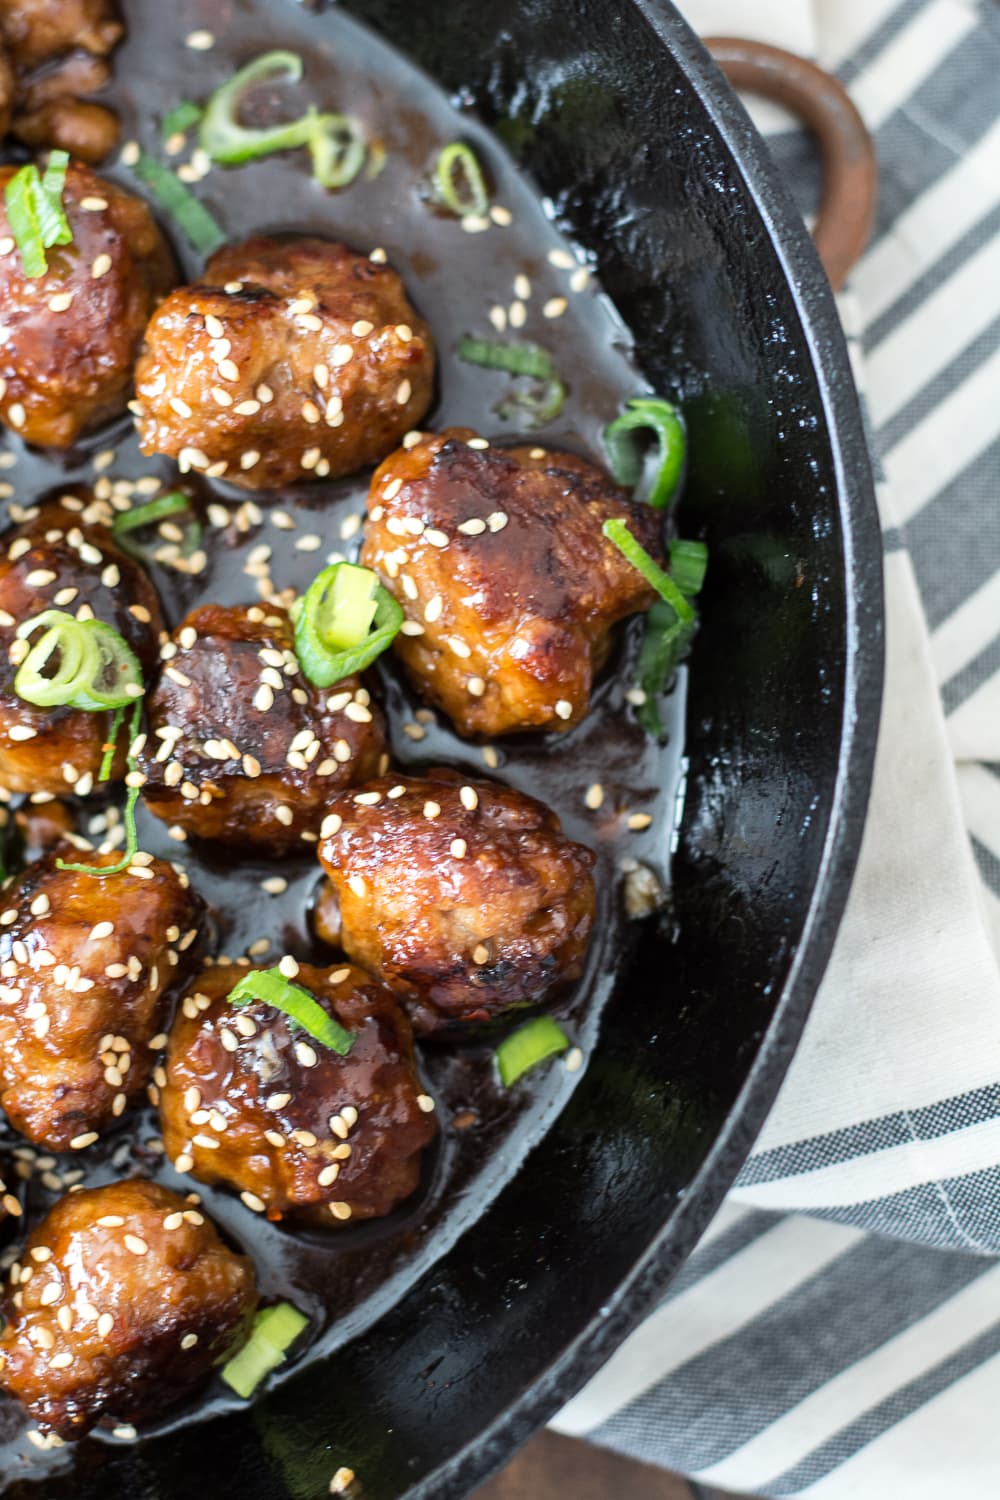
column 837, row 1333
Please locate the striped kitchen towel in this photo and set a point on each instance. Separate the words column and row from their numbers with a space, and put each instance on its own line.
column 837, row 1332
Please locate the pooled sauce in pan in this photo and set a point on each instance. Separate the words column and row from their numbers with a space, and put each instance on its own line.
column 343, row 1279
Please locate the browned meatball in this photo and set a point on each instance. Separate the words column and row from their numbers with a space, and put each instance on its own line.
column 63, row 560
column 466, row 895
column 242, row 747
column 297, row 1129
column 70, row 336
column 124, row 1300
column 511, row 590
column 289, row 360
column 86, row 130
column 87, row 966
column 38, row 30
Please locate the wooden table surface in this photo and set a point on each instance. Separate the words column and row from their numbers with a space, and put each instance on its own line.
column 552, row 1467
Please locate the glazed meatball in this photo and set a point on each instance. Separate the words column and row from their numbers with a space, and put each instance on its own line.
column 465, row 895
column 87, row 967
column 123, row 1302
column 86, row 130
column 36, row 31
column 498, row 559
column 300, row 1131
column 63, row 560
column 289, row 360
column 70, row 337
column 242, row 747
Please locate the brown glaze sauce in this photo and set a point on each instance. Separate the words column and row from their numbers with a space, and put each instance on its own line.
column 345, row 1279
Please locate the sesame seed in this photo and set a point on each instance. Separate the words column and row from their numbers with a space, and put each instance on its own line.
column 638, row 821
column 228, row 369
column 517, row 315
column 39, row 577
column 555, row 307
column 580, row 279
column 358, row 886
column 89, row 205
column 329, row 1174
column 342, row 1480
column 403, row 392
column 458, row 848
column 498, row 317
column 173, row 1221
column 472, row 527
column 284, row 815
column 190, row 1339
column 230, row 1041
column 412, row 627
column 497, row 521
column 288, row 966
column 378, row 256
column 350, row 1114
column 278, row 1101
column 184, row 1162
column 594, row 796
column 573, row 1060
column 12, row 1205
column 61, row 301
column 425, row 1103
column 21, row 732
column 476, row 686
column 206, row 1142
column 136, row 1244
column 275, row 1138
column 180, row 406
column 263, row 698
column 480, row 953
column 199, row 41
column 433, row 608
column 274, row 885
column 564, row 708
column 362, row 328
column 432, row 810
column 522, row 287
column 474, row 224
column 40, row 906
column 221, row 398
column 101, row 266
column 79, row 1142
column 469, row 798
column 340, row 1210
column 561, row 259
column 306, row 1055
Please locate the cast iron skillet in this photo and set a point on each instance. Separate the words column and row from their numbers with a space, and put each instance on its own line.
column 651, row 165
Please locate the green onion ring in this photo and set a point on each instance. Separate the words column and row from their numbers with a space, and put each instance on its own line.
column 97, row 668
column 193, row 218
column 625, row 457
column 617, row 532
column 515, row 359
column 528, row 1046
column 131, row 836
column 331, row 648
column 146, row 515
column 458, row 161
column 301, row 1008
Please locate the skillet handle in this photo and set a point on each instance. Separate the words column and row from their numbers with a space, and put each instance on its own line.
column 850, row 171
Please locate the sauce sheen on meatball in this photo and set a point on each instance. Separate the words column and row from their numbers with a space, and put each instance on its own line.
column 124, row 1300
column 463, row 894
column 297, row 1129
column 289, row 360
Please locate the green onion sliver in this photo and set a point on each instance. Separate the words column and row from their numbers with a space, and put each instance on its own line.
column 335, row 143
column 625, row 455
column 301, row 1008
column 666, row 641
column 617, row 532
column 688, row 563
column 275, row 1329
column 36, row 214
column 181, row 118
column 146, row 515
column 528, row 1046
column 516, row 359
column 458, row 181
column 77, row 664
column 192, row 217
column 538, row 407
column 343, row 622
column 101, row 872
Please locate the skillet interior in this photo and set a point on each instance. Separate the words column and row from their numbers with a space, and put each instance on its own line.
column 628, row 140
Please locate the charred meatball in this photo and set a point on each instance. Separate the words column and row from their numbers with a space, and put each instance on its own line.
column 298, row 1130
column 289, row 360
column 68, row 339
column 37, row 31
column 242, row 747
column 465, row 895
column 66, row 559
column 87, row 966
column 511, row 590
column 124, row 1300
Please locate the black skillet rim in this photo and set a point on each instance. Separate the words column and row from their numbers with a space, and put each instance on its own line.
column 824, row 340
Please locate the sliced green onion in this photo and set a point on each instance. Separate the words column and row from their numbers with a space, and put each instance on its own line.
column 179, row 119
column 667, row 639
column 111, row 745
column 625, row 455
column 333, row 620
column 301, row 1008
column 538, row 407
column 275, row 1329
column 458, row 181
column 146, row 515
column 516, row 359
column 51, row 213
column 35, row 212
column 193, row 218
column 337, row 149
column 131, row 837
column 528, row 1046
column 335, row 143
column 688, row 563
column 617, row 532
column 95, row 668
